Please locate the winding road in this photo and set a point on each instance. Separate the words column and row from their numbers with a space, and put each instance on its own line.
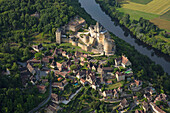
column 43, row 102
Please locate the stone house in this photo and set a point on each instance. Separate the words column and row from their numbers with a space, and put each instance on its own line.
column 107, row 93
column 63, row 74
column 145, row 106
column 122, row 61
column 75, row 24
column 106, row 70
column 155, row 108
column 120, row 76
column 91, row 77
column 54, row 98
column 37, row 47
column 60, row 66
column 120, row 89
column 148, row 96
column 116, row 95
column 64, row 53
column 83, row 82
column 161, row 97
column 123, row 104
column 53, row 64
column 45, row 60
column 41, row 88
column 60, row 85
column 31, row 69
column 84, row 57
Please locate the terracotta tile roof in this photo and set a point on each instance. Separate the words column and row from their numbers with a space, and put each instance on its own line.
column 137, row 82
column 109, row 82
column 124, row 60
column 64, row 74
column 54, row 97
column 82, row 80
column 59, row 64
column 45, row 59
column 41, row 87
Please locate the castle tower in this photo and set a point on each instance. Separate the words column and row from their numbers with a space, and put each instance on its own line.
column 107, row 46
column 58, row 36
column 97, row 27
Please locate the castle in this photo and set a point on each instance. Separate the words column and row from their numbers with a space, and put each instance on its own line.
column 95, row 39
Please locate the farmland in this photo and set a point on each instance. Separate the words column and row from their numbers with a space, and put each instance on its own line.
column 166, row 16
column 157, row 11
column 155, row 6
column 141, row 1
column 161, row 23
column 135, row 15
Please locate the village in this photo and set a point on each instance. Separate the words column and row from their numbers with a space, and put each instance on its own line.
column 83, row 60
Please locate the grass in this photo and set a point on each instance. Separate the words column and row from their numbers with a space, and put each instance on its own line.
column 135, row 15
column 155, row 6
column 40, row 38
column 70, row 47
column 166, row 16
column 141, row 1
column 113, row 86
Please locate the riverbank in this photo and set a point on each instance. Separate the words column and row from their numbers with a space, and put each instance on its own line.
column 92, row 8
column 143, row 30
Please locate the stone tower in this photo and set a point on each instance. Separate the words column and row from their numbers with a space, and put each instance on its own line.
column 58, row 36
column 97, row 27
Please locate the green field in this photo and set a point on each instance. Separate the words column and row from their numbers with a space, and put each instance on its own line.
column 141, row 1
column 135, row 15
column 113, row 86
column 70, row 47
column 166, row 16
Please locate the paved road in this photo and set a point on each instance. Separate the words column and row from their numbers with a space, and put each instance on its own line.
column 67, row 101
column 43, row 102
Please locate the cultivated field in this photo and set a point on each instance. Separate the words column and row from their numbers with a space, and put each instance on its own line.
column 141, row 1
column 161, row 23
column 135, row 15
column 166, row 16
column 156, row 6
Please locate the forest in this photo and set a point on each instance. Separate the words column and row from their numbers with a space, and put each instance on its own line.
column 19, row 20
column 142, row 29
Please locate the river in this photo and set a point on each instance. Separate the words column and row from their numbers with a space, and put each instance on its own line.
column 93, row 9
